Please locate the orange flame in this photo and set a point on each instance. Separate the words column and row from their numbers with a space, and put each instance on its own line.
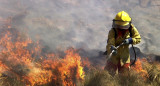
column 39, row 69
column 69, row 69
column 3, row 67
column 138, row 67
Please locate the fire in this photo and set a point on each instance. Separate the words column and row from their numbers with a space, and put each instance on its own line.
column 38, row 76
column 138, row 68
column 69, row 68
column 23, row 58
column 3, row 67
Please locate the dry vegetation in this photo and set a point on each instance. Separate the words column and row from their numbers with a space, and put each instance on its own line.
column 142, row 74
column 19, row 65
column 23, row 63
column 134, row 78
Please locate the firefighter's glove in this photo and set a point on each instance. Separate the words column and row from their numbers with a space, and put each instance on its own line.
column 128, row 41
column 114, row 49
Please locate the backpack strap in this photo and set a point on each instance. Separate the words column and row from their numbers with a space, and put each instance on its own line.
column 130, row 31
column 115, row 36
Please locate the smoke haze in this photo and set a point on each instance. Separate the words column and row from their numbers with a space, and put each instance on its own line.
column 59, row 24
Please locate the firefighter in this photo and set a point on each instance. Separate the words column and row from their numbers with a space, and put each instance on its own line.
column 122, row 31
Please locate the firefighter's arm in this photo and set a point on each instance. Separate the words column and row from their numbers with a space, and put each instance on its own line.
column 110, row 41
column 136, row 38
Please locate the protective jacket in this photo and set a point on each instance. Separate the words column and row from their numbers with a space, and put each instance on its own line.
column 122, row 55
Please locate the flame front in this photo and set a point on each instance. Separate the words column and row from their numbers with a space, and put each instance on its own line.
column 138, row 68
column 23, row 59
column 68, row 70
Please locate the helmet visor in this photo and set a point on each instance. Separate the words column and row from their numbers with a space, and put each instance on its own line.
column 121, row 24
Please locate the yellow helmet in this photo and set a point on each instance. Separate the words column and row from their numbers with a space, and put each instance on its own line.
column 122, row 18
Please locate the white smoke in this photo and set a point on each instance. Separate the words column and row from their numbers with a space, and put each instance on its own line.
column 81, row 23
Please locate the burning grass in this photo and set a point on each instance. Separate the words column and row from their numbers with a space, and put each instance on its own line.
column 142, row 73
column 22, row 63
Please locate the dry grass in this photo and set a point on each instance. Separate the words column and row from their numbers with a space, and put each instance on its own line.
column 102, row 78
column 97, row 77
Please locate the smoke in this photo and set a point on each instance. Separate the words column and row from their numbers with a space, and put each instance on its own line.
column 59, row 24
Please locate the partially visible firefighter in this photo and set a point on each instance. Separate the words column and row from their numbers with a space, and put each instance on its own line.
column 122, row 31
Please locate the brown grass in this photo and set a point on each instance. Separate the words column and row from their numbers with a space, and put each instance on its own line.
column 97, row 77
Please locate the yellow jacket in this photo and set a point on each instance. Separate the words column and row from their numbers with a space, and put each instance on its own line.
column 123, row 51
